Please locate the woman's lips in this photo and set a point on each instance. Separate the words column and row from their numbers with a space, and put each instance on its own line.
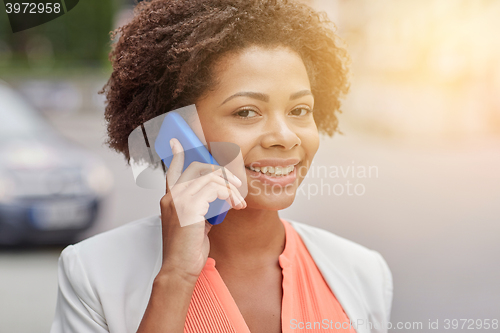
column 271, row 180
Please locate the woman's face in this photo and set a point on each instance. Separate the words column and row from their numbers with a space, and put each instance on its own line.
column 263, row 103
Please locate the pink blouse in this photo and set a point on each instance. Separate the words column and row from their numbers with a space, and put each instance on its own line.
column 307, row 304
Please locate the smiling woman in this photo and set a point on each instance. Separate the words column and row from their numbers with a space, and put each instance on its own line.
column 267, row 76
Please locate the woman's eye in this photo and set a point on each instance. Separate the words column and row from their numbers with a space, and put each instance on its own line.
column 246, row 113
column 301, row 111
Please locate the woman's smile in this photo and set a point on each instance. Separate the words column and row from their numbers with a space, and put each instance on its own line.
column 273, row 171
column 282, row 180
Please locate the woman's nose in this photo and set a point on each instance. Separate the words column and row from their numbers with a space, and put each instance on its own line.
column 280, row 133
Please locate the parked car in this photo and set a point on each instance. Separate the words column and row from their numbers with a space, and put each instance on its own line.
column 51, row 189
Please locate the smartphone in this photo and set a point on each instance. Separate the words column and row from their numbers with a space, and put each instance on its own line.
column 174, row 126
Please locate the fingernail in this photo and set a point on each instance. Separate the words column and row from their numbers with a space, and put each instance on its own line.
column 237, row 201
column 237, row 179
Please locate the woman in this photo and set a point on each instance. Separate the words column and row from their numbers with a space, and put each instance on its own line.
column 267, row 76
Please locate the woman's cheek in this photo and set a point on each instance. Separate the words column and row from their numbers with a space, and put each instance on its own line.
column 312, row 140
column 254, row 188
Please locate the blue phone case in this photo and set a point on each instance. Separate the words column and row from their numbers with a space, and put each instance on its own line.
column 174, row 126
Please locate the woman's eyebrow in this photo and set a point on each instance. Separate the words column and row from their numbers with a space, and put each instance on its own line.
column 256, row 95
column 264, row 97
column 300, row 94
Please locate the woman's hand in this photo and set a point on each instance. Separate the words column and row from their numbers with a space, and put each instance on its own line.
column 185, row 240
column 184, row 228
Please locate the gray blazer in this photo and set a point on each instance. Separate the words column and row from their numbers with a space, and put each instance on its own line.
column 106, row 280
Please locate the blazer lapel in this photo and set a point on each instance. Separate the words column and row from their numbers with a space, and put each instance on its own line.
column 345, row 292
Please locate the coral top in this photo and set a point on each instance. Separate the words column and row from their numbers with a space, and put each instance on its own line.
column 307, row 304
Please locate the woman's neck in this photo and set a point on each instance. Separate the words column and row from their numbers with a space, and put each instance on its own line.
column 247, row 238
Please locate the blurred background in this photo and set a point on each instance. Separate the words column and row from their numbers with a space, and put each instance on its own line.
column 423, row 116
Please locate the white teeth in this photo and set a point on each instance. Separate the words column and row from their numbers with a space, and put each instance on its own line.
column 274, row 171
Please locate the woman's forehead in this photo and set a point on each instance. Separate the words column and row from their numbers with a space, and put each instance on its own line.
column 259, row 67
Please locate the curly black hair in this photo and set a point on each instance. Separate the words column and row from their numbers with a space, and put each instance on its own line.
column 163, row 58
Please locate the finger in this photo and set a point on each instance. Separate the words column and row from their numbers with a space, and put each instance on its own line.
column 202, row 181
column 174, row 171
column 208, row 226
column 223, row 173
column 213, row 191
column 198, row 169
column 194, row 185
column 231, row 194
column 234, row 192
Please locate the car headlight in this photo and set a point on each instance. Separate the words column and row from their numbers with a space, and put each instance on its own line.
column 99, row 179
